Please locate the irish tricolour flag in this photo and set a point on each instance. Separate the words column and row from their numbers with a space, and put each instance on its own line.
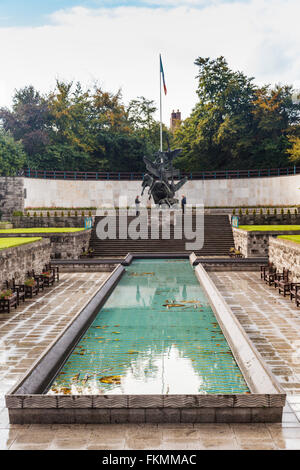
column 163, row 75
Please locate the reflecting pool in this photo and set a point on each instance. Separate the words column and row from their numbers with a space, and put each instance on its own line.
column 156, row 334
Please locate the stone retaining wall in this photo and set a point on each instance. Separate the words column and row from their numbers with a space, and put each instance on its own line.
column 285, row 254
column 281, row 190
column 271, row 219
column 11, row 195
column 63, row 245
column 16, row 261
column 31, row 222
column 253, row 244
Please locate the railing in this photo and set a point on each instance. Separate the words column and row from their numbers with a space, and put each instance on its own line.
column 202, row 175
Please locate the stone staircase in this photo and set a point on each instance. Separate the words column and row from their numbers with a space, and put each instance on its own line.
column 218, row 239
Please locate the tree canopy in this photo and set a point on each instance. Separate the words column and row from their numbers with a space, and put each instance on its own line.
column 12, row 155
column 236, row 124
column 76, row 129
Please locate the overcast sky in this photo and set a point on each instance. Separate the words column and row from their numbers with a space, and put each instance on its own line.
column 117, row 43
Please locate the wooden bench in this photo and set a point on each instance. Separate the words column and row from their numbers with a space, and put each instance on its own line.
column 18, row 288
column 48, row 276
column 32, row 288
column 38, row 278
column 297, row 297
column 8, row 302
column 282, row 282
column 55, row 270
column 294, row 290
column 270, row 275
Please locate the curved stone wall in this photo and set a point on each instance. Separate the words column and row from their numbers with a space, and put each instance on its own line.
column 273, row 191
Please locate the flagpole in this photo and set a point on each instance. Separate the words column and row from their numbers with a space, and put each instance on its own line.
column 160, row 104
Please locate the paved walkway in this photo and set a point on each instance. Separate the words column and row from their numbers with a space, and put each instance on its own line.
column 271, row 321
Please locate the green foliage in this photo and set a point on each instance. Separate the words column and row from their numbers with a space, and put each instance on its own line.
column 82, row 130
column 236, row 124
column 12, row 155
column 17, row 214
column 294, row 151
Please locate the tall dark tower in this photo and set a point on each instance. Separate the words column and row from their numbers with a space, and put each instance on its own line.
column 175, row 119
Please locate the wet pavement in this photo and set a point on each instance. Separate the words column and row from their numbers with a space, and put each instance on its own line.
column 272, row 322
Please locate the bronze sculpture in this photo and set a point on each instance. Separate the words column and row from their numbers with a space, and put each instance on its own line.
column 160, row 178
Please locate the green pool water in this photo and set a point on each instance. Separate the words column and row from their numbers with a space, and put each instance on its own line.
column 156, row 334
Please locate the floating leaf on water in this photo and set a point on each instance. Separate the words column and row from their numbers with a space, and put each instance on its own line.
column 76, row 377
column 111, row 379
column 173, row 305
column 132, row 351
column 116, row 332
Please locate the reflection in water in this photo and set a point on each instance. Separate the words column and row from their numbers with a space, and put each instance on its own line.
column 138, row 294
column 156, row 334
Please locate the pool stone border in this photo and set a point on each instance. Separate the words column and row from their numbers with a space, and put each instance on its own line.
column 27, row 404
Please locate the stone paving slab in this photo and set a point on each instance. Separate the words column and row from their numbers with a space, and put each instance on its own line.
column 26, row 333
column 271, row 321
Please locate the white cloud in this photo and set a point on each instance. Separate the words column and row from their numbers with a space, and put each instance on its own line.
column 120, row 47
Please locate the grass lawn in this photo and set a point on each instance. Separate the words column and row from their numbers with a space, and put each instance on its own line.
column 42, row 230
column 263, row 228
column 10, row 242
column 291, row 238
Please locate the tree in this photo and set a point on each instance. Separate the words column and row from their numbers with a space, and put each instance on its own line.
column 70, row 137
column 141, row 117
column 235, row 124
column 12, row 155
column 294, row 151
column 275, row 117
column 28, row 122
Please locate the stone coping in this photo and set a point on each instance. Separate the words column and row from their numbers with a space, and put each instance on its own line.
column 290, row 243
column 28, row 403
column 45, row 234
column 267, row 232
column 18, row 243
column 24, row 246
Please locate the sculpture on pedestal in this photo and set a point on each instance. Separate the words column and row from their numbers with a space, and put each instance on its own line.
column 160, row 178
